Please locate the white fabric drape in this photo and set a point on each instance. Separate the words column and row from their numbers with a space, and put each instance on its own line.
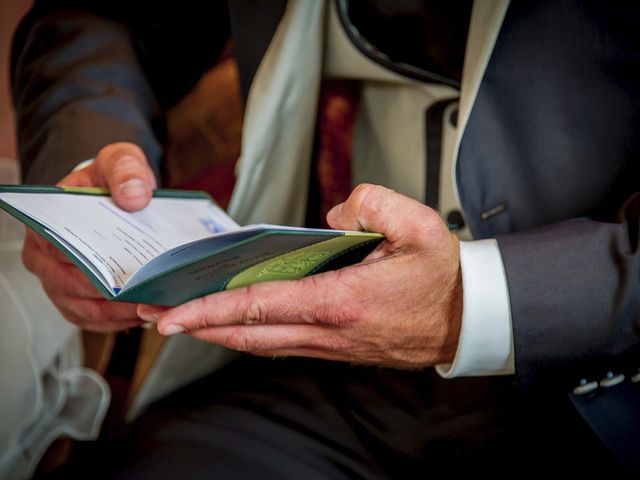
column 45, row 391
column 273, row 170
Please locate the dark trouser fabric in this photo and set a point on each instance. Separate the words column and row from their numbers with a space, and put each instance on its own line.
column 308, row 419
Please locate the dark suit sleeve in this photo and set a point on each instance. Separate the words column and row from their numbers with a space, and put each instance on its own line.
column 77, row 86
column 574, row 289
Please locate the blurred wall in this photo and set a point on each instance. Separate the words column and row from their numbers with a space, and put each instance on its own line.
column 11, row 11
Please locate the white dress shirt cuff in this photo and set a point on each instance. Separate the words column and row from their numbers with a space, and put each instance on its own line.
column 83, row 164
column 486, row 338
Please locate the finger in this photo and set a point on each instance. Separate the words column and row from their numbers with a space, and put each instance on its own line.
column 99, row 314
column 306, row 352
column 283, row 341
column 100, row 327
column 81, row 178
column 59, row 277
column 35, row 240
column 311, row 299
column 293, row 339
column 151, row 313
column 125, row 170
column 374, row 208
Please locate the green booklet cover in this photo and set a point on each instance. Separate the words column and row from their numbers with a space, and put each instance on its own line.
column 180, row 247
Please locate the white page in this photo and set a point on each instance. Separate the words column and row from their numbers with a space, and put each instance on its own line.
column 98, row 270
column 117, row 242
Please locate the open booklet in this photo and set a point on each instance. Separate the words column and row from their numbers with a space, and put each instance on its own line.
column 181, row 246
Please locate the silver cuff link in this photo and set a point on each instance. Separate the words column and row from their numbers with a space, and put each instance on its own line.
column 585, row 387
column 611, row 380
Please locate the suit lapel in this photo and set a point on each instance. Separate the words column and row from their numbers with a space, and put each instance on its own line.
column 484, row 27
column 486, row 20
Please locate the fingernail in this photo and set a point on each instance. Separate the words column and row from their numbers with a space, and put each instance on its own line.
column 134, row 188
column 149, row 316
column 172, row 330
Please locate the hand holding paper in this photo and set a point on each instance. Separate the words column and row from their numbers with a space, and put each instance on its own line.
column 401, row 307
column 123, row 168
column 179, row 247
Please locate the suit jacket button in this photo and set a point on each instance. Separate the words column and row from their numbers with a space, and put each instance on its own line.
column 455, row 220
column 585, row 387
column 611, row 380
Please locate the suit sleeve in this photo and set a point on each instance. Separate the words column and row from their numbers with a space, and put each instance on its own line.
column 582, row 308
column 77, row 86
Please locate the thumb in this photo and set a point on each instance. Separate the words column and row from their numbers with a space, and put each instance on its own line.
column 400, row 219
column 124, row 169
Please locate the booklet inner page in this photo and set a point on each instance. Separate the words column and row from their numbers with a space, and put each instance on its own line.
column 117, row 242
column 187, row 253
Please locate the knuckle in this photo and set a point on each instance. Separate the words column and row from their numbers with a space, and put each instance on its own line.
column 104, row 152
column 361, row 192
column 253, row 311
column 371, row 200
column 72, row 281
column 204, row 310
column 92, row 312
column 337, row 317
column 129, row 147
column 118, row 149
column 63, row 278
column 237, row 340
column 321, row 312
column 27, row 258
column 126, row 164
column 330, row 308
column 122, row 159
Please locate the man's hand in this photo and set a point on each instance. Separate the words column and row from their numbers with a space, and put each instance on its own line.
column 123, row 168
column 400, row 307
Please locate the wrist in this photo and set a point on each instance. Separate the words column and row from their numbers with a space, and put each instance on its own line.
column 452, row 323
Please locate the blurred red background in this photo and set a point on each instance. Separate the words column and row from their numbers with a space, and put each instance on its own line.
column 11, row 11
